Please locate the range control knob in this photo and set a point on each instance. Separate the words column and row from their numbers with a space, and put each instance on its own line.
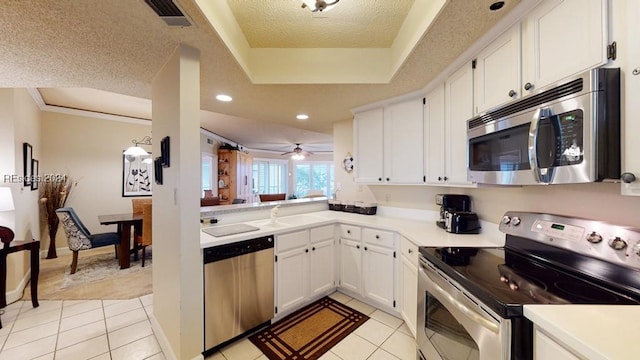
column 594, row 237
column 617, row 243
column 513, row 286
column 515, row 221
column 506, row 219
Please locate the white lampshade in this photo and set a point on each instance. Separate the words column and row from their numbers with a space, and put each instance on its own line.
column 135, row 151
column 6, row 199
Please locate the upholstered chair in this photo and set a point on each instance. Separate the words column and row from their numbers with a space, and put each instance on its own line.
column 79, row 237
column 146, row 229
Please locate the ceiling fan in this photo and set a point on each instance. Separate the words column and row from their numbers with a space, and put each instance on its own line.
column 320, row 5
column 298, row 153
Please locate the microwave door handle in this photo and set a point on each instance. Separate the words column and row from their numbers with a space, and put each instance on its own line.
column 533, row 141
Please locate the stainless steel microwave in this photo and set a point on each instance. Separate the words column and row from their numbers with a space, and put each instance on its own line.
column 565, row 133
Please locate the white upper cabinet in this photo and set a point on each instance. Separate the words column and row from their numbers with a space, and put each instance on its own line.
column 434, row 123
column 497, row 72
column 368, row 145
column 561, row 38
column 403, row 153
column 389, row 145
column 458, row 109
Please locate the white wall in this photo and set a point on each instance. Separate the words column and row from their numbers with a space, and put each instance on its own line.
column 177, row 270
column 90, row 151
column 19, row 123
column 343, row 144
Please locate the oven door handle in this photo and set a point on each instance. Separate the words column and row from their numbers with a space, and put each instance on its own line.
column 533, row 141
column 469, row 313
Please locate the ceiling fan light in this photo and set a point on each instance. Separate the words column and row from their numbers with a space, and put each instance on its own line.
column 297, row 157
column 319, row 5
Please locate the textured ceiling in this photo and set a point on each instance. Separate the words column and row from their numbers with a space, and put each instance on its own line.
column 119, row 45
column 349, row 24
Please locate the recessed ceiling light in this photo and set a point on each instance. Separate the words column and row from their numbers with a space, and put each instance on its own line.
column 496, row 6
column 302, row 116
column 223, row 97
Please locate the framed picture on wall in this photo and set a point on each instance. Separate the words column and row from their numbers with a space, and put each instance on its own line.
column 34, row 174
column 27, row 155
column 137, row 175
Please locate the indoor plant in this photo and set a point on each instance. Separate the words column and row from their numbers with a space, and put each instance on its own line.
column 53, row 195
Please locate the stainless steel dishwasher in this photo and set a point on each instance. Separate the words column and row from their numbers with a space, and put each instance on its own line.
column 238, row 290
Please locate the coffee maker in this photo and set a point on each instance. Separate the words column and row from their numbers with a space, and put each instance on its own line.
column 449, row 204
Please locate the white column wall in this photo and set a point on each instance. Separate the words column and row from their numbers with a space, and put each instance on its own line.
column 177, row 270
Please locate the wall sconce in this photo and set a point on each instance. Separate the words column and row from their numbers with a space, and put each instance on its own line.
column 138, row 151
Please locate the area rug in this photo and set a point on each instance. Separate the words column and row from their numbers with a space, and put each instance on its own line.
column 100, row 267
column 309, row 332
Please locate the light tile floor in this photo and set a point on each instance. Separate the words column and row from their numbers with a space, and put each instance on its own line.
column 79, row 329
column 121, row 330
column 382, row 337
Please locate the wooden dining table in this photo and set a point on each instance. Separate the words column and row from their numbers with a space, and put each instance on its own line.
column 125, row 222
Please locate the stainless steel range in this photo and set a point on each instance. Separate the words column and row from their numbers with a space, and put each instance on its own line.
column 471, row 299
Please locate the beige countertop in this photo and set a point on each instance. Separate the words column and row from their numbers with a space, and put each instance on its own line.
column 420, row 232
column 595, row 332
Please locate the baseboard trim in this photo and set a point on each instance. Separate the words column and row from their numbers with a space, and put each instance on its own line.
column 16, row 294
column 164, row 342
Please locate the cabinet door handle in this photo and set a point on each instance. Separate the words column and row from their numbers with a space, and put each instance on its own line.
column 379, row 179
column 357, row 246
column 377, row 236
column 512, row 93
column 528, row 86
column 439, row 178
column 446, row 178
column 313, row 248
column 306, row 250
column 387, row 179
column 410, row 251
column 365, row 248
column 348, row 231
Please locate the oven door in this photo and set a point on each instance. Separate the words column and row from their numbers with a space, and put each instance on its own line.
column 453, row 327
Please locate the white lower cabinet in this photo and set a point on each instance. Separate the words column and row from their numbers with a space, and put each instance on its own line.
column 544, row 348
column 409, row 284
column 304, row 266
column 368, row 265
column 364, row 265
column 350, row 265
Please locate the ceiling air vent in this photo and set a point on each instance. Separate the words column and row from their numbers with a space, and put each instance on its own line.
column 169, row 12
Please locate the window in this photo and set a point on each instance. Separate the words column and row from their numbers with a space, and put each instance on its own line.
column 270, row 176
column 313, row 176
column 208, row 180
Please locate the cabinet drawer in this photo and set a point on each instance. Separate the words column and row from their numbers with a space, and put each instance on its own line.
column 350, row 232
column 292, row 240
column 322, row 233
column 378, row 237
column 409, row 250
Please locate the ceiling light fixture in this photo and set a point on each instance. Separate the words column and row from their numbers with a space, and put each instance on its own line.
column 224, row 98
column 318, row 5
column 302, row 116
column 297, row 157
column 138, row 151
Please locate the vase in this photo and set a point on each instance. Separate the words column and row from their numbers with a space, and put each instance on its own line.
column 53, row 230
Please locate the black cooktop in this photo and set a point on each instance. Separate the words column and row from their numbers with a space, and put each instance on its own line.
column 506, row 278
